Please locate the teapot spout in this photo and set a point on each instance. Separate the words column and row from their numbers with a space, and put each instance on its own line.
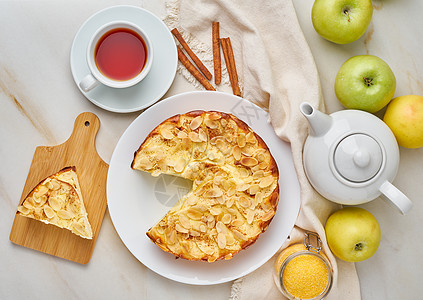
column 319, row 122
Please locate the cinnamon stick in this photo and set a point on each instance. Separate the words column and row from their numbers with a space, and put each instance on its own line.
column 216, row 53
column 194, row 57
column 230, row 65
column 191, row 68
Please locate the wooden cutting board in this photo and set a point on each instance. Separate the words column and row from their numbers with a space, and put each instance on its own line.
column 79, row 151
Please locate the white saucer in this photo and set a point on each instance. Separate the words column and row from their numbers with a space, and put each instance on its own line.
column 158, row 80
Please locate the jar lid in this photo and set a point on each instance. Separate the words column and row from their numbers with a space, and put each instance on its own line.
column 358, row 157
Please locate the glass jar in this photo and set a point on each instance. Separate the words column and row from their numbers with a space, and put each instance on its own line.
column 302, row 271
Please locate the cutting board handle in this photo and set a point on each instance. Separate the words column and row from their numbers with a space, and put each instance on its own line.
column 84, row 132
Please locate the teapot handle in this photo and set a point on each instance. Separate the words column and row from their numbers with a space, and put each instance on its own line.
column 395, row 197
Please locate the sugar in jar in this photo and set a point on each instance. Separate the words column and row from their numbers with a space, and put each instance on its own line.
column 302, row 271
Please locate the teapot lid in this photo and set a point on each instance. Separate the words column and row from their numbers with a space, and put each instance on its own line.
column 358, row 158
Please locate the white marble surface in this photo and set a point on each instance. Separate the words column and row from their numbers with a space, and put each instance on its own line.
column 40, row 102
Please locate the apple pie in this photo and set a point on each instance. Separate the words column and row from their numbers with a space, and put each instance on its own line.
column 58, row 200
column 235, row 188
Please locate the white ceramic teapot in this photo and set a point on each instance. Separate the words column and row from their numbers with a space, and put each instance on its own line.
column 351, row 157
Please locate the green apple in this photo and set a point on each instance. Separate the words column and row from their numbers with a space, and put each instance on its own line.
column 341, row 21
column 353, row 234
column 365, row 82
column 404, row 115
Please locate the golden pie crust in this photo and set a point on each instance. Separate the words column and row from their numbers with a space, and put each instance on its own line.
column 235, row 188
column 57, row 200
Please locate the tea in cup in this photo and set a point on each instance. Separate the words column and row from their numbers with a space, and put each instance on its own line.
column 119, row 55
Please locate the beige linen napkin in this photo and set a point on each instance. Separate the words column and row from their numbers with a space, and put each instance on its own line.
column 276, row 71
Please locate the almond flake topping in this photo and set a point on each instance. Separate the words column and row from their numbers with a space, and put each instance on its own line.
column 184, row 220
column 247, row 151
column 49, row 211
column 193, row 136
column 194, row 233
column 145, row 163
column 226, row 219
column 258, row 198
column 244, row 201
column 230, row 240
column 214, row 116
column 266, row 181
column 243, row 172
column 263, row 165
column 202, row 135
column 215, row 210
column 222, row 146
column 212, row 124
column 171, row 237
column 250, row 216
column 231, row 191
column 239, row 235
column 242, row 187
column 254, row 189
column 54, row 203
column 221, row 241
column 214, row 140
column 250, row 137
column 236, row 152
column 258, row 174
column 268, row 215
column 196, row 122
column 249, row 161
column 237, row 223
column 261, row 157
column 167, row 133
column 220, row 227
column 182, row 135
column 160, row 229
column 23, row 210
column 203, row 228
column 267, row 206
column 213, row 193
column 29, row 203
column 49, row 185
column 211, row 223
column 217, row 179
column 241, row 140
column 180, row 165
column 42, row 190
column 63, row 214
column 78, row 228
column 230, row 202
column 194, row 214
column 181, row 229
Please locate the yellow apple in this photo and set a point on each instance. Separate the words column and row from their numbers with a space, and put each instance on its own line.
column 353, row 234
column 404, row 115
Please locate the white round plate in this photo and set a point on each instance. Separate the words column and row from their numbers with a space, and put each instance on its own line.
column 138, row 200
column 158, row 80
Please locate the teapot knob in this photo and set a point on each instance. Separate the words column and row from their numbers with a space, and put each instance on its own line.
column 361, row 158
column 357, row 158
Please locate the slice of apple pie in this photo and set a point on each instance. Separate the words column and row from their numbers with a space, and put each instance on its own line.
column 58, row 200
column 235, row 188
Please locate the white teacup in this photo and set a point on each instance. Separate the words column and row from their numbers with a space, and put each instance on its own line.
column 115, row 56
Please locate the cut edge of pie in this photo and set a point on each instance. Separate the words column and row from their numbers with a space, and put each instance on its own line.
column 57, row 200
column 235, row 184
